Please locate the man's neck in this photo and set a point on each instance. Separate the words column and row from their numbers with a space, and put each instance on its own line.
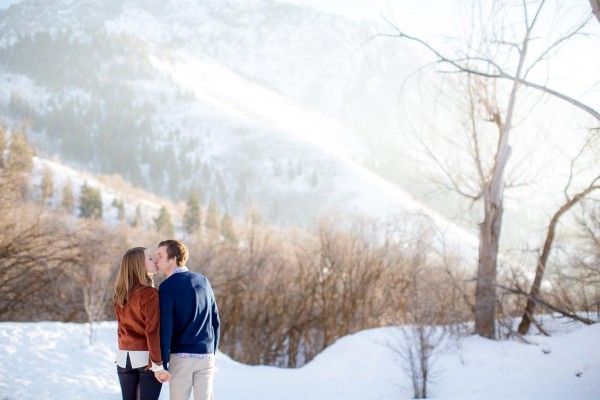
column 176, row 268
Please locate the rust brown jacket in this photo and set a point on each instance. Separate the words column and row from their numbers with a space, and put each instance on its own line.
column 139, row 323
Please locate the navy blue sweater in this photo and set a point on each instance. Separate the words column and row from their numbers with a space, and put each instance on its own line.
column 189, row 319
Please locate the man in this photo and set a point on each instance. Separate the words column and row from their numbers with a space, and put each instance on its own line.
column 189, row 324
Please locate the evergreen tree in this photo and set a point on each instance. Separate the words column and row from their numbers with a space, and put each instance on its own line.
column 90, row 202
column 314, row 180
column 68, row 201
column 20, row 154
column 227, row 229
column 18, row 163
column 205, row 175
column 18, row 107
column 191, row 218
column 2, row 147
column 291, row 172
column 241, row 192
column 221, row 192
column 163, row 222
column 253, row 216
column 46, row 186
column 174, row 182
column 212, row 216
column 120, row 206
column 277, row 168
column 137, row 220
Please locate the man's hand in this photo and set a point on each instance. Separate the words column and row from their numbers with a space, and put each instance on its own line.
column 162, row 376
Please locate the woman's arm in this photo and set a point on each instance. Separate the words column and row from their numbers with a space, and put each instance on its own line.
column 152, row 314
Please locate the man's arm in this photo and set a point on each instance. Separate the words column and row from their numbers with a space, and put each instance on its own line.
column 166, row 324
column 216, row 322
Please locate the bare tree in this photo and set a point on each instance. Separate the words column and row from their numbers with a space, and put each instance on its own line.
column 97, row 263
column 430, row 310
column 486, row 71
column 596, row 8
column 543, row 259
column 28, row 264
column 420, row 337
column 574, row 284
column 586, row 266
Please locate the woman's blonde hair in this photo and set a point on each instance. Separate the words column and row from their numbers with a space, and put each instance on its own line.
column 131, row 273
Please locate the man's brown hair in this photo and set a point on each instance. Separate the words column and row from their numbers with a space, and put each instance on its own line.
column 175, row 249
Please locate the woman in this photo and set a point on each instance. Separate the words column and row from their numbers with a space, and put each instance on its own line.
column 138, row 316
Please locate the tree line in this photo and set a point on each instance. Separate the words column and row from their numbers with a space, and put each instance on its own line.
column 284, row 295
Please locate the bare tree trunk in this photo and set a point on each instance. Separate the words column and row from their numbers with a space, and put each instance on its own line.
column 541, row 266
column 596, row 8
column 493, row 194
column 485, row 292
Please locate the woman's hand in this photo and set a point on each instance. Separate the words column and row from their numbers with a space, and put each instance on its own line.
column 162, row 376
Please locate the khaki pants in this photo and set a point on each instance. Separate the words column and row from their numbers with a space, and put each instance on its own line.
column 191, row 372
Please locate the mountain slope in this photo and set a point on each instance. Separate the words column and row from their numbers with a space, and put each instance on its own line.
column 242, row 102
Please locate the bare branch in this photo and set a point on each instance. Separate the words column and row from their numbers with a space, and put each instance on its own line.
column 462, row 64
column 549, row 306
column 573, row 161
column 561, row 40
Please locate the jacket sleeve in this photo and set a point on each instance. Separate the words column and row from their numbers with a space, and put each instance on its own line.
column 166, row 324
column 152, row 315
column 216, row 322
column 118, row 317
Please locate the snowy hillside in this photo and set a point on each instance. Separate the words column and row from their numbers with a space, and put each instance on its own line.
column 110, row 190
column 228, row 100
column 53, row 360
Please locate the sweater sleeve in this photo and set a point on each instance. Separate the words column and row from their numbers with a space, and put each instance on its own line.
column 216, row 322
column 166, row 323
column 152, row 314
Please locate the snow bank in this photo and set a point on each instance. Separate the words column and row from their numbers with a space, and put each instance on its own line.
column 53, row 360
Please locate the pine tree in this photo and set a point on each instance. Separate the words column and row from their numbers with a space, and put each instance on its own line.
column 137, row 220
column 46, row 186
column 212, row 216
column 2, row 146
column 314, row 180
column 20, row 154
column 68, row 201
column 120, row 206
column 163, row 222
column 290, row 170
column 17, row 106
column 90, row 202
column 18, row 163
column 191, row 218
column 227, row 229
column 253, row 216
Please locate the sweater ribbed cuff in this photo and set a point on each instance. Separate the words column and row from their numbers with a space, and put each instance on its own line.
column 156, row 367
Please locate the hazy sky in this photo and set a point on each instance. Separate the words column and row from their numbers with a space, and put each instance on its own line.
column 4, row 4
column 577, row 71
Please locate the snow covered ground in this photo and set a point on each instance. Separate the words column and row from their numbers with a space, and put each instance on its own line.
column 53, row 360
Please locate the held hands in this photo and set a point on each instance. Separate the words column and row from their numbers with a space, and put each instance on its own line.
column 162, row 376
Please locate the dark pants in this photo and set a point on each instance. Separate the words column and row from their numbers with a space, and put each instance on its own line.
column 129, row 378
